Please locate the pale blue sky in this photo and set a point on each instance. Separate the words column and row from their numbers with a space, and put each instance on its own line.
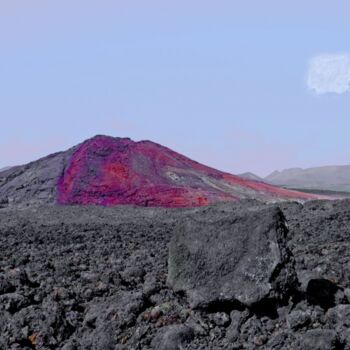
column 223, row 82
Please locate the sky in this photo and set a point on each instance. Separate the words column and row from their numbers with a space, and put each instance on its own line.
column 237, row 85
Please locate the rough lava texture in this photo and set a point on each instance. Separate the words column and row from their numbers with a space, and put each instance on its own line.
column 112, row 171
column 35, row 183
column 241, row 258
column 95, row 278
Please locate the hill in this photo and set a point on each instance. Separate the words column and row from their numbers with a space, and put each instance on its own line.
column 251, row 176
column 112, row 171
column 329, row 178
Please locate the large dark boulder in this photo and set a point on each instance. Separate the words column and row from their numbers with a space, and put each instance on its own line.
column 241, row 259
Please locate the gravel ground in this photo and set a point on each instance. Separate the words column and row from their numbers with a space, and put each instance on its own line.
column 96, row 278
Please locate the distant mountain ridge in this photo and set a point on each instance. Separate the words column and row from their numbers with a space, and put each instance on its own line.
column 111, row 171
column 251, row 176
column 332, row 178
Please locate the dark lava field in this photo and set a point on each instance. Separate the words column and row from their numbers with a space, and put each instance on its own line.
column 228, row 276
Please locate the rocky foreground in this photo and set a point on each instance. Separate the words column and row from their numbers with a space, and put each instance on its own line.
column 229, row 276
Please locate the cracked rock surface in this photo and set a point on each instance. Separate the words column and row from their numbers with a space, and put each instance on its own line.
column 85, row 278
column 239, row 258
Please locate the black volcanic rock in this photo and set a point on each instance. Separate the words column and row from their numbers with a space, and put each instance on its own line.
column 5, row 168
column 320, row 339
column 173, row 337
column 105, row 319
column 241, row 258
column 35, row 183
column 84, row 278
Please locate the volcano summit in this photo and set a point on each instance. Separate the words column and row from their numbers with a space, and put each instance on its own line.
column 113, row 171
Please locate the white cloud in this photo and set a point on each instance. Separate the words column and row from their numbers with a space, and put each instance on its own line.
column 329, row 73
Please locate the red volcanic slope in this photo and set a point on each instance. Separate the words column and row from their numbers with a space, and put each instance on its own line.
column 110, row 171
